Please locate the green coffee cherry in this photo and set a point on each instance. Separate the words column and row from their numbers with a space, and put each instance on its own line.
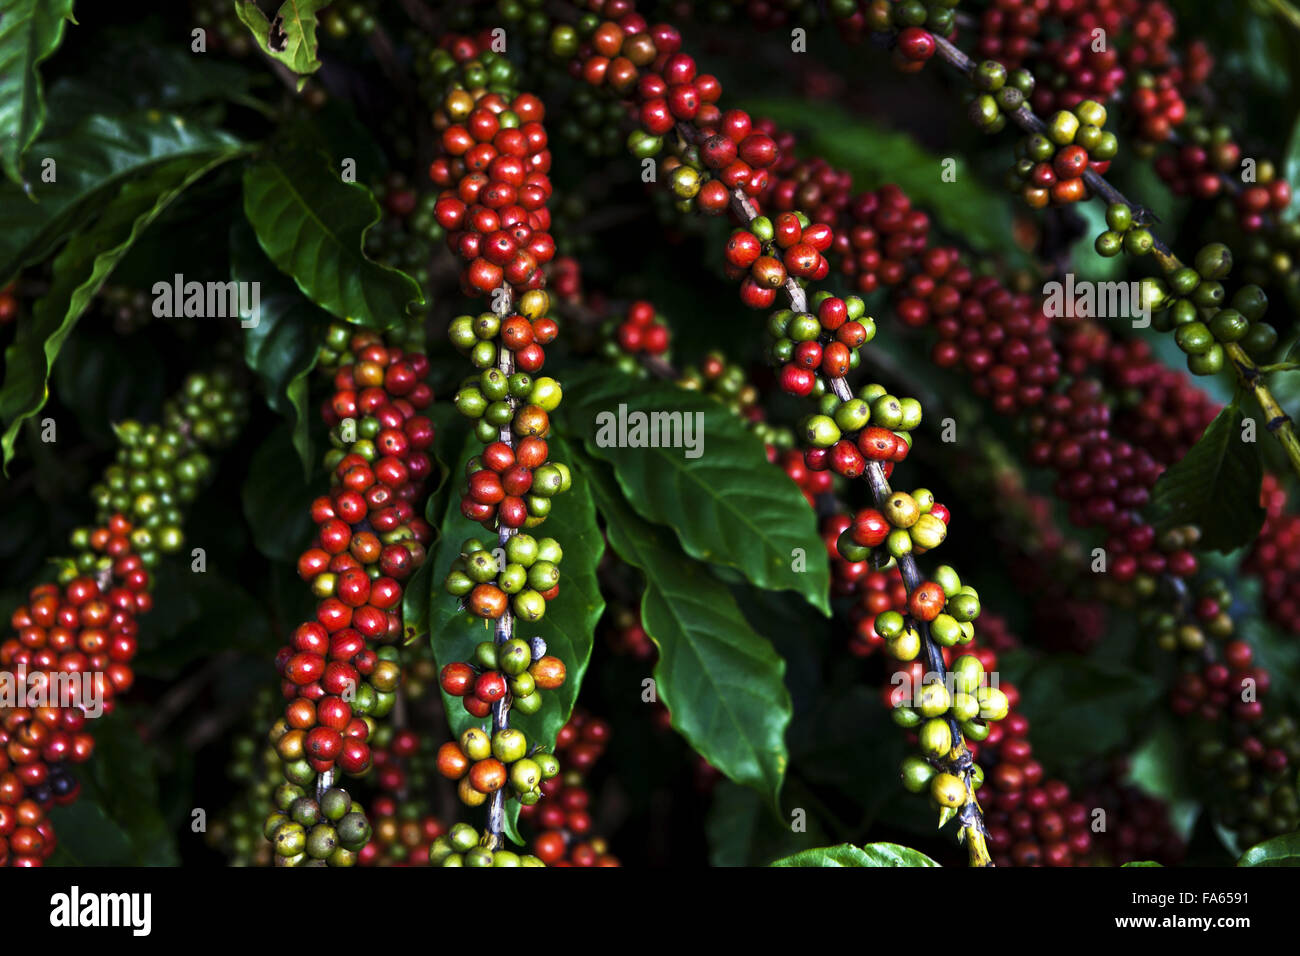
column 935, row 738
column 916, row 774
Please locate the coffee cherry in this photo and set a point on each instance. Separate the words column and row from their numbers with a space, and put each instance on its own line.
column 947, row 790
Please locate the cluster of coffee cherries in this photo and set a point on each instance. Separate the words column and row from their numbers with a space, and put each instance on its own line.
column 1191, row 623
column 340, row 670
column 1234, row 685
column 767, row 251
column 1275, row 557
column 1192, row 301
column 845, row 435
column 254, row 767
column 492, row 171
column 485, row 763
column 640, row 331
column 160, row 467
column 1050, row 165
column 403, row 827
column 811, row 346
column 452, row 58
column 524, row 332
column 307, row 830
column 1031, row 821
column 1257, row 766
column 907, row 524
column 1018, row 796
column 84, row 625
column 1269, row 195
column 873, row 408
column 342, row 20
column 523, row 575
column 511, row 482
column 643, row 64
column 915, row 23
column 1137, row 825
column 563, row 814
column 727, row 383
column 518, row 668
column 949, row 607
column 463, row 845
column 966, row 697
column 999, row 92
column 1122, row 234
column 404, row 830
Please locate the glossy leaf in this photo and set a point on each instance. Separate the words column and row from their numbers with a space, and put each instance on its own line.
column 90, row 162
column 728, row 505
column 1282, row 850
column 283, row 346
column 125, row 781
column 80, row 269
column 88, row 836
column 1215, row 486
column 133, row 72
column 873, row 854
column 289, row 36
column 277, row 498
column 312, row 225
column 30, row 32
column 721, row 682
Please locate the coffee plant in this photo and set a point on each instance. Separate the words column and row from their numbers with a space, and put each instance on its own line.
column 597, row 433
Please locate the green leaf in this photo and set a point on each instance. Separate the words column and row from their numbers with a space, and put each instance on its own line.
column 876, row 156
column 1141, row 863
column 125, row 780
column 313, row 226
column 570, row 621
column 1291, row 168
column 873, row 854
column 290, row 37
column 283, row 346
column 90, row 162
column 728, row 505
column 735, row 815
column 1282, row 850
column 1159, row 766
column 1062, row 693
column 80, row 269
column 202, row 616
column 137, row 70
column 88, row 836
column 1215, row 486
column 721, row 682
column 30, row 32
column 105, row 378
column 743, row 831
column 277, row 498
